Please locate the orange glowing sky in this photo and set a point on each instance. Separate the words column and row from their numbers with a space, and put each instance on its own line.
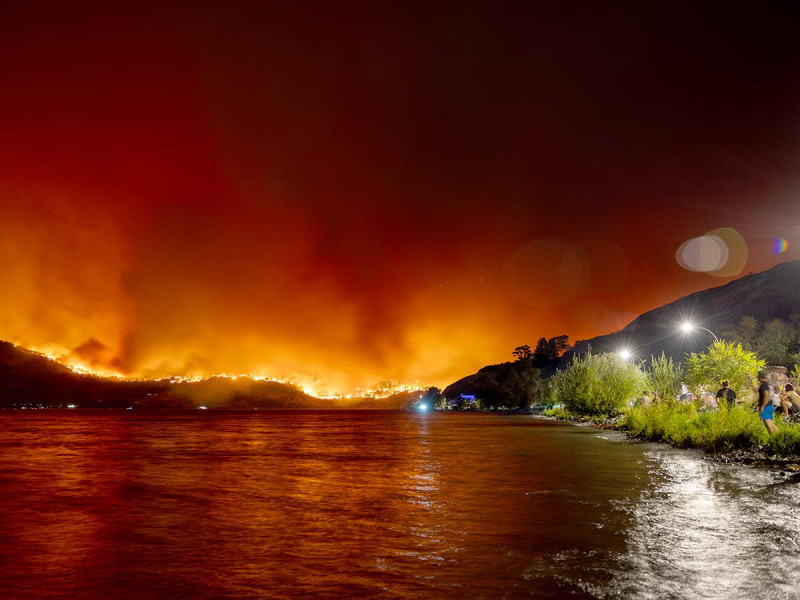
column 358, row 192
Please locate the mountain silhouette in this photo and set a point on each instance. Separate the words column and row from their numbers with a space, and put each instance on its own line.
column 771, row 294
column 30, row 380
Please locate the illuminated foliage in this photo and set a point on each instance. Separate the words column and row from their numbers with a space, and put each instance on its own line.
column 597, row 384
column 685, row 426
column 664, row 377
column 787, row 441
column 795, row 375
column 724, row 360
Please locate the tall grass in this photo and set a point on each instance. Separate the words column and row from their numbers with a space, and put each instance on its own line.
column 664, row 376
column 559, row 412
column 683, row 425
column 786, row 441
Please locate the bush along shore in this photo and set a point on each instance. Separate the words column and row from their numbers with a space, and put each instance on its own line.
column 729, row 435
column 674, row 403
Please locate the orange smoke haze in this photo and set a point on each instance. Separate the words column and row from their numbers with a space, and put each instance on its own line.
column 190, row 295
column 373, row 194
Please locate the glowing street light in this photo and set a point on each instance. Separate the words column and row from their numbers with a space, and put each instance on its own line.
column 626, row 354
column 688, row 326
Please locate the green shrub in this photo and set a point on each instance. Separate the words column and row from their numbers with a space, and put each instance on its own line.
column 664, row 377
column 795, row 375
column 724, row 360
column 558, row 412
column 597, row 384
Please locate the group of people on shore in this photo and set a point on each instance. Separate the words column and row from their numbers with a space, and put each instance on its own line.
column 770, row 398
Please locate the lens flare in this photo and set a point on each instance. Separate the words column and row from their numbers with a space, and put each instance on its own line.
column 780, row 246
column 737, row 252
column 721, row 253
column 705, row 253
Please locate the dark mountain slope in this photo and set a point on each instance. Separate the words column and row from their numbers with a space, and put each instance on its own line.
column 772, row 294
column 28, row 379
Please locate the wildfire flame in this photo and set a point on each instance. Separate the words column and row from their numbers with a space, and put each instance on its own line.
column 310, row 386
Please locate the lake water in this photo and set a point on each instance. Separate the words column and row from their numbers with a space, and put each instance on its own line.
column 372, row 504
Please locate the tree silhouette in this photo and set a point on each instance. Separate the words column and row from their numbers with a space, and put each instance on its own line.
column 550, row 350
column 523, row 352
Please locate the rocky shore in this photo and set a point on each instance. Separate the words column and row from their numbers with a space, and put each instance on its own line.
column 761, row 457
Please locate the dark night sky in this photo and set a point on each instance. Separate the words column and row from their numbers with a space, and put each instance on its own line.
column 368, row 191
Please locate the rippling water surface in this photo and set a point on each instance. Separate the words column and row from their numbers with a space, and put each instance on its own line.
column 370, row 504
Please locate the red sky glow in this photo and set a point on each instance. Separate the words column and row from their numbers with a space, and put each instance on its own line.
column 358, row 192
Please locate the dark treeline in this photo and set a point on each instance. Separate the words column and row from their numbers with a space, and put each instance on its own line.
column 511, row 385
column 547, row 351
column 777, row 341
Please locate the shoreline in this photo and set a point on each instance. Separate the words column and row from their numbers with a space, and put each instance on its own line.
column 757, row 457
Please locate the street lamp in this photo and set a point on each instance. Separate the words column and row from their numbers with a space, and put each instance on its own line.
column 689, row 326
column 626, row 354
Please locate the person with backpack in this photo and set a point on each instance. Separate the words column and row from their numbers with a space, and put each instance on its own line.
column 726, row 393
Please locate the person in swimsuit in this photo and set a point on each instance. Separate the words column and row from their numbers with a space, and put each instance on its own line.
column 765, row 408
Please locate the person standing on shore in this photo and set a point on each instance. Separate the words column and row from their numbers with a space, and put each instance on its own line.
column 726, row 393
column 766, row 410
